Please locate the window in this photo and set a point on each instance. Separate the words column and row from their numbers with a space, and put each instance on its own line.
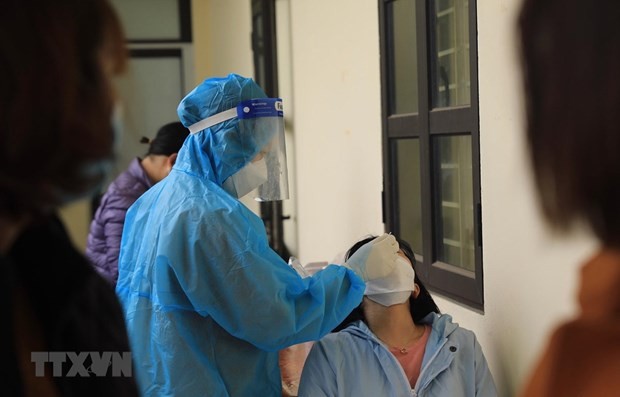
column 429, row 79
column 160, row 71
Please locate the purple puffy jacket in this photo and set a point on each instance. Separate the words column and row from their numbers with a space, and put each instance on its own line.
column 104, row 237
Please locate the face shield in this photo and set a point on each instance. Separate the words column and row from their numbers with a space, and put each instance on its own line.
column 261, row 129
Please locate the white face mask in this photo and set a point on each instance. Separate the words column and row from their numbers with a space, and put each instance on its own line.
column 395, row 288
column 247, row 179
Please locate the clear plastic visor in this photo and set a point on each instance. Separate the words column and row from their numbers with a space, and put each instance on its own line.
column 261, row 125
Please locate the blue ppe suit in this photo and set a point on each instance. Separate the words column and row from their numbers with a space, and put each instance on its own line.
column 207, row 303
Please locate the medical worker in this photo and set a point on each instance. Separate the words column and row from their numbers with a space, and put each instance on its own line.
column 208, row 304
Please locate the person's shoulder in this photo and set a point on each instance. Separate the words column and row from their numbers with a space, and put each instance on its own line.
column 347, row 333
column 589, row 336
column 465, row 337
column 202, row 198
column 354, row 334
column 592, row 341
column 129, row 182
column 57, row 286
column 334, row 338
column 215, row 204
column 120, row 198
column 340, row 345
column 445, row 324
column 441, row 322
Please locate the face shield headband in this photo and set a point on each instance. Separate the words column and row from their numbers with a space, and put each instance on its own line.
column 261, row 126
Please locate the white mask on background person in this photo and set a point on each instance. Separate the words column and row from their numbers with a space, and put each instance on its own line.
column 395, row 288
column 248, row 178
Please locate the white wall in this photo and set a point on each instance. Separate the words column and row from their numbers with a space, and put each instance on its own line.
column 221, row 35
column 337, row 124
column 76, row 218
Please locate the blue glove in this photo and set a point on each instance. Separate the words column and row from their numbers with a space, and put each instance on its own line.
column 375, row 259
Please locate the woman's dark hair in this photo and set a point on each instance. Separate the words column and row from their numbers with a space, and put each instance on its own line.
column 56, row 61
column 168, row 140
column 420, row 307
column 571, row 61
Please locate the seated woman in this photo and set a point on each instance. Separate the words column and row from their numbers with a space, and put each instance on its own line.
column 396, row 343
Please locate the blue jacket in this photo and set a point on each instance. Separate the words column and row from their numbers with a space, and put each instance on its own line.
column 207, row 303
column 104, row 237
column 353, row 362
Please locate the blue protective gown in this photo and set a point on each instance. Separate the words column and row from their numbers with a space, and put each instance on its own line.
column 208, row 304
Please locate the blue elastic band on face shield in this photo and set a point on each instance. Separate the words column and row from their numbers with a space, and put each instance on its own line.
column 252, row 108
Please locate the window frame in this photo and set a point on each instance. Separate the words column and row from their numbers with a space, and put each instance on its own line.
column 425, row 125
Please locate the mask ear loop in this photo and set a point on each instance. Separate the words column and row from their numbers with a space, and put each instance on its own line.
column 213, row 120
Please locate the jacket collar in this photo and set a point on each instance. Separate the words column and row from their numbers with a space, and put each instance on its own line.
column 441, row 328
column 436, row 357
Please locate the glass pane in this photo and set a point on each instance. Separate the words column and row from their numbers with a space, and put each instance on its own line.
column 149, row 19
column 403, row 58
column 409, row 192
column 450, row 53
column 453, row 184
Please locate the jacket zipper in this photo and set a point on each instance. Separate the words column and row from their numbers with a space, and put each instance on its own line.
column 428, row 364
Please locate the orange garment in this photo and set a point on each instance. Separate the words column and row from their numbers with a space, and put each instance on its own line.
column 582, row 358
column 292, row 361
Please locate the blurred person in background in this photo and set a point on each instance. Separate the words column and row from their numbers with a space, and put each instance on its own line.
column 57, row 58
column 106, row 228
column 573, row 133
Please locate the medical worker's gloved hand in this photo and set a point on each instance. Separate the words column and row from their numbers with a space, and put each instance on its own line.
column 375, row 259
column 299, row 268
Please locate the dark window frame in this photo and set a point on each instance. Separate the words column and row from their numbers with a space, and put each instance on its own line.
column 265, row 59
column 425, row 125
